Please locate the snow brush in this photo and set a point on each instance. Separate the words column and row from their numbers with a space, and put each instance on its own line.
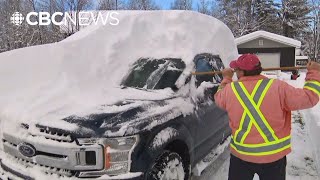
column 263, row 69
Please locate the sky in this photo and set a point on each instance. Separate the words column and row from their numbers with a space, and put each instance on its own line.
column 166, row 4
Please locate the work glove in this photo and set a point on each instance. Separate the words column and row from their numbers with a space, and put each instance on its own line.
column 313, row 66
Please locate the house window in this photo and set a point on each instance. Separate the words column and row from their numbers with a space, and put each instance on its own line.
column 260, row 42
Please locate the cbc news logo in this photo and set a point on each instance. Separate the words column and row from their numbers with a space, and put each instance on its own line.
column 84, row 18
column 17, row 18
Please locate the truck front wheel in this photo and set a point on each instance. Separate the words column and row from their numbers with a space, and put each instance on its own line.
column 169, row 166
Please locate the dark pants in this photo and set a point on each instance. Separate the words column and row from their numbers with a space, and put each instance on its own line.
column 242, row 170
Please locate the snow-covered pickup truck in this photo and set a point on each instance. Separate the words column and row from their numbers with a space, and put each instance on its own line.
column 115, row 102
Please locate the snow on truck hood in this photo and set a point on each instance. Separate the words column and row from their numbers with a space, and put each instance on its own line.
column 79, row 74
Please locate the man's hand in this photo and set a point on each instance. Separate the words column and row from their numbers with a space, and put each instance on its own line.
column 227, row 73
column 313, row 66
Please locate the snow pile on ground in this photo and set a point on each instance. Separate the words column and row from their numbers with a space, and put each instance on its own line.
column 83, row 72
column 211, row 157
column 313, row 127
column 277, row 75
column 301, row 162
column 312, row 120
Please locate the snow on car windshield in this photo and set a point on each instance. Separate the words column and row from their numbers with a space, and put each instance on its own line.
column 154, row 74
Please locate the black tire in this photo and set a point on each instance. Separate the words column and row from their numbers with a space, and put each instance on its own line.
column 164, row 164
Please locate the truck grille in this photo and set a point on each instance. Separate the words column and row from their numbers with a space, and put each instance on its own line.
column 46, row 169
column 38, row 152
column 50, row 134
column 56, row 156
column 56, row 136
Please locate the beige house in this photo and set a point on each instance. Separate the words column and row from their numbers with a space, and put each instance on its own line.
column 273, row 50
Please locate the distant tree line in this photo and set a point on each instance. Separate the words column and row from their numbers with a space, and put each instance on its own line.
column 298, row 19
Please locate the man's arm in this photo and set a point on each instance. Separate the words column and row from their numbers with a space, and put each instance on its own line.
column 220, row 96
column 297, row 98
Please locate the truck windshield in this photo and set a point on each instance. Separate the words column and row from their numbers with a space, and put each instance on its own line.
column 154, row 73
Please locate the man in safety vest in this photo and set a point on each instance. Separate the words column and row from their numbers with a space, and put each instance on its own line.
column 259, row 112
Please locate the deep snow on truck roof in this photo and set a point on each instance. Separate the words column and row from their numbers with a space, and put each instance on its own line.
column 77, row 75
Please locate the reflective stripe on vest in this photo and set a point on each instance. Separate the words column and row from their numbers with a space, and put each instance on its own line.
column 258, row 95
column 253, row 116
column 313, row 86
column 250, row 107
column 262, row 149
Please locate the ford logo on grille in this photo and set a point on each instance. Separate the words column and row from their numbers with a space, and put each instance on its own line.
column 26, row 149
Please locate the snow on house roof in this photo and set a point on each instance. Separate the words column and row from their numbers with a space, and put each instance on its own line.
column 270, row 36
column 84, row 71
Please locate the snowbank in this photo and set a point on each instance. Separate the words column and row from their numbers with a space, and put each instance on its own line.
column 83, row 72
column 312, row 117
column 312, row 120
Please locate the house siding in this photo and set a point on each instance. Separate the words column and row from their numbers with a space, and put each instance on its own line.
column 287, row 54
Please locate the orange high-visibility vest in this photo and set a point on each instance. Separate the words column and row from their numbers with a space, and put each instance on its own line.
column 252, row 116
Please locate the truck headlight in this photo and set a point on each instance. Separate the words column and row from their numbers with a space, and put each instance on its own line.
column 117, row 153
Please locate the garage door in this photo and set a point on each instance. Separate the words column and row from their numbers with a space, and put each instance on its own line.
column 269, row 59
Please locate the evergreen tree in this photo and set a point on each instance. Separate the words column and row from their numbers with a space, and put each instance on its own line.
column 295, row 18
column 239, row 16
column 227, row 14
column 247, row 16
column 267, row 16
column 310, row 37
